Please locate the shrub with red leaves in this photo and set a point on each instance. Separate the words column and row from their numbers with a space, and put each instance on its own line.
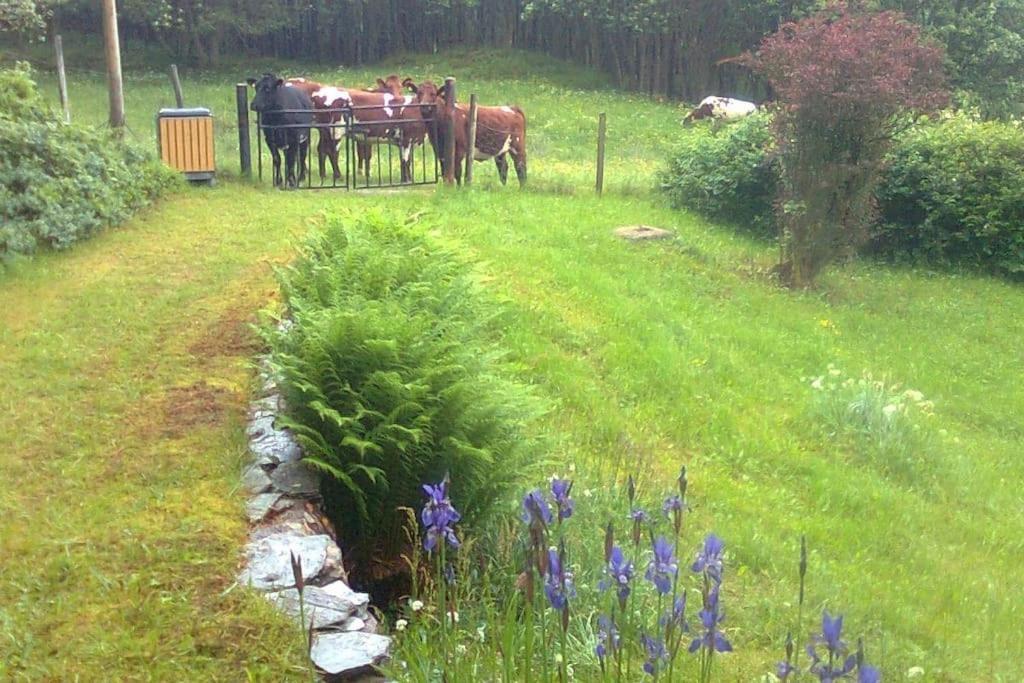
column 843, row 80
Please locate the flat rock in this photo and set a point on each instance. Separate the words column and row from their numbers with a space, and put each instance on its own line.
column 269, row 559
column 262, row 423
column 296, row 479
column 260, row 506
column 348, row 654
column 276, row 445
column 636, row 233
column 324, row 609
column 255, row 480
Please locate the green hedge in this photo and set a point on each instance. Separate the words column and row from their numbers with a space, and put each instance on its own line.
column 392, row 380
column 60, row 183
column 952, row 190
column 726, row 172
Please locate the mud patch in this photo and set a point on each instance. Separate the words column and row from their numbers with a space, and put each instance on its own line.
column 230, row 335
column 194, row 406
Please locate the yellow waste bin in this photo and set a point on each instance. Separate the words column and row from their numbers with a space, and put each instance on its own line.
column 185, row 139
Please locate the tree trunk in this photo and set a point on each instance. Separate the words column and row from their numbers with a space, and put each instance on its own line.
column 112, row 50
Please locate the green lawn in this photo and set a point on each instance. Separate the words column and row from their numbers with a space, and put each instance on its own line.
column 123, row 367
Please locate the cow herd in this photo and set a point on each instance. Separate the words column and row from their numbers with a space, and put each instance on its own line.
column 402, row 113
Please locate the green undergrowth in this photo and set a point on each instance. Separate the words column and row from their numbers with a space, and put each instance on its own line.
column 652, row 355
column 392, row 379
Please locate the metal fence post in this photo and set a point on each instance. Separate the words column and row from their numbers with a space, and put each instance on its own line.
column 471, row 139
column 601, row 127
column 449, row 143
column 244, row 152
column 62, row 80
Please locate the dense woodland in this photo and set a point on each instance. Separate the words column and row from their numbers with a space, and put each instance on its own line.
column 672, row 48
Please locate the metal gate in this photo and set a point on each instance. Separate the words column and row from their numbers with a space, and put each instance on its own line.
column 350, row 152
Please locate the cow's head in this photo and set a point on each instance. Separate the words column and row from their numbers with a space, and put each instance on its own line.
column 392, row 84
column 704, row 111
column 266, row 85
column 427, row 95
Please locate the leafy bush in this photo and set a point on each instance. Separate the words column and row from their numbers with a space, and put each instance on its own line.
column 954, row 191
column 726, row 172
column 61, row 183
column 390, row 380
column 842, row 78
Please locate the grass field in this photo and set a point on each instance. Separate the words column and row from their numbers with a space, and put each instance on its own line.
column 123, row 371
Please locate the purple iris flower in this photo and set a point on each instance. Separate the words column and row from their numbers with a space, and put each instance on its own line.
column 618, row 573
column 438, row 517
column 868, row 674
column 608, row 639
column 784, row 671
column 709, row 559
column 558, row 586
column 711, row 618
column 560, row 490
column 676, row 617
column 656, row 654
column 833, row 667
column 663, row 567
column 638, row 515
column 672, row 505
column 535, row 509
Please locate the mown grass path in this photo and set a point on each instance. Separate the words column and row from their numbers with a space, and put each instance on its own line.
column 124, row 375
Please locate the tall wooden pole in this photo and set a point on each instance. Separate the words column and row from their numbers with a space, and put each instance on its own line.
column 449, row 142
column 244, row 153
column 112, row 48
column 62, row 79
column 471, row 139
column 179, row 99
column 602, row 124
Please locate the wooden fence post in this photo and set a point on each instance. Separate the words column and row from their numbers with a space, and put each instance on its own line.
column 601, row 128
column 449, row 142
column 112, row 50
column 244, row 153
column 179, row 99
column 471, row 139
column 62, row 80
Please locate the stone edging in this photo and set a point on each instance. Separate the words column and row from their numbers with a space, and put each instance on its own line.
column 285, row 517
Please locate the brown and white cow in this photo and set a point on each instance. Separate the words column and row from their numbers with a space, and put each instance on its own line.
column 379, row 114
column 500, row 131
column 721, row 108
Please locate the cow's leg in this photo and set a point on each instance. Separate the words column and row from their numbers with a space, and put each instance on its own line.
column 460, row 163
column 275, row 155
column 322, row 152
column 406, row 154
column 501, row 161
column 290, row 152
column 366, row 155
column 518, row 152
column 303, row 153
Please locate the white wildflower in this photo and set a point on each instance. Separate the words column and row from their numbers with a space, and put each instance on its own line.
column 453, row 617
column 558, row 658
column 915, row 672
column 481, row 633
column 834, row 371
column 416, row 605
column 890, row 410
column 460, row 649
column 818, row 383
column 914, row 395
column 587, row 493
column 401, row 624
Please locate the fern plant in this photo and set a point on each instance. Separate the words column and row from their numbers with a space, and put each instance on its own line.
column 392, row 378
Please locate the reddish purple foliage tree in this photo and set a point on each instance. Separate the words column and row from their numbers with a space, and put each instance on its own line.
column 844, row 81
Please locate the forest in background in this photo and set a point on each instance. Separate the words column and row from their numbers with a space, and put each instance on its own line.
column 670, row 48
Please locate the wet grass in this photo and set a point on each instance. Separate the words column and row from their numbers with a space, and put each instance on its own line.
column 119, row 532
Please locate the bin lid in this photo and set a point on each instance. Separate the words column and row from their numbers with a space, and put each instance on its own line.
column 173, row 112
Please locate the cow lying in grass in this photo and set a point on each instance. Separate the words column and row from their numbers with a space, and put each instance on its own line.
column 500, row 131
column 721, row 108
